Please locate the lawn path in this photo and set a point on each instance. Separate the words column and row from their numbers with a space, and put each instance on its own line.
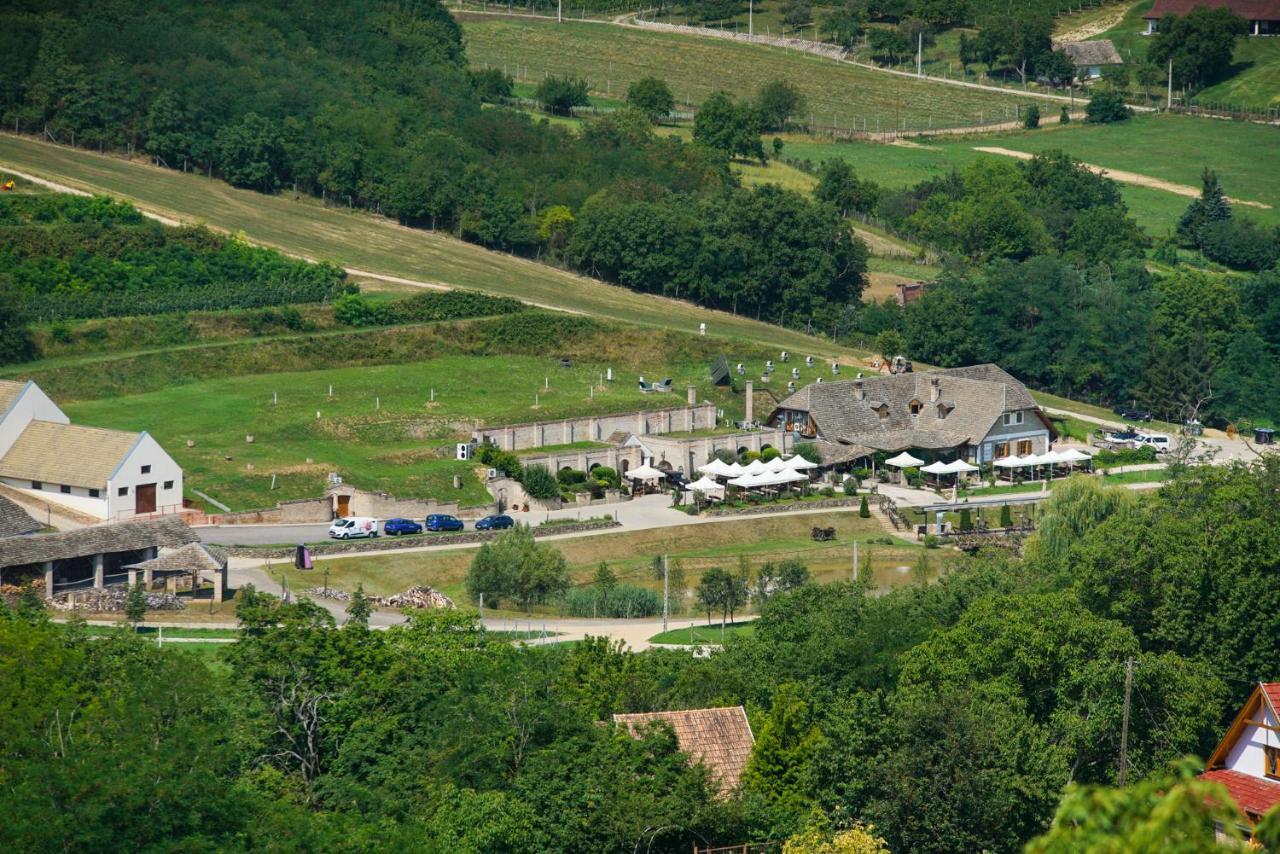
column 1125, row 177
column 1097, row 27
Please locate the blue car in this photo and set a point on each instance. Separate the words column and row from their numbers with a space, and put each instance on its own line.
column 443, row 522
column 395, row 527
column 495, row 523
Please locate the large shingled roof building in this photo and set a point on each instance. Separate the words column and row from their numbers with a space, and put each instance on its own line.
column 978, row 414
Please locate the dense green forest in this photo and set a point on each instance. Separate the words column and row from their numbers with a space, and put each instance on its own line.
column 951, row 716
column 371, row 104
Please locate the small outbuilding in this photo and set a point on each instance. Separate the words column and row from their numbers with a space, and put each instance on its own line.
column 721, row 738
column 1089, row 58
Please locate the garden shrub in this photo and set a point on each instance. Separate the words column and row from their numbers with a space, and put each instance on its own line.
column 828, row 491
column 864, row 511
column 606, row 475
column 568, row 477
column 1006, row 517
column 1125, row 457
column 750, row 456
column 851, row 486
column 622, row 601
column 966, row 519
column 504, row 461
column 770, row 454
column 538, row 482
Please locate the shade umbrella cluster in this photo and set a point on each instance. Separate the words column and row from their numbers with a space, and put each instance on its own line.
column 1068, row 457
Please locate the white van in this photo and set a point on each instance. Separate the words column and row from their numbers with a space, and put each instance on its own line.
column 1160, row 443
column 354, row 526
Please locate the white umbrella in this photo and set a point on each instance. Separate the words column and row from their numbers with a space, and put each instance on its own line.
column 717, row 468
column 1009, row 462
column 799, row 463
column 734, row 469
column 705, row 484
column 746, row 481
column 1034, row 460
column 789, row 477
column 936, row 468
column 903, row 461
column 1071, row 455
column 1050, row 457
column 755, row 467
column 960, row 467
column 645, row 473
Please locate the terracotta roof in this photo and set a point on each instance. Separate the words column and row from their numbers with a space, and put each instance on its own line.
column 9, row 391
column 719, row 738
column 67, row 454
column 98, row 539
column 1100, row 52
column 1254, row 795
column 1272, row 692
column 1250, row 10
column 188, row 558
column 14, row 521
column 973, row 398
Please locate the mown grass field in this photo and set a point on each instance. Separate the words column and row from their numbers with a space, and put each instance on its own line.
column 381, row 430
column 698, row 547
column 704, row 633
column 366, row 242
column 611, row 57
column 1167, row 147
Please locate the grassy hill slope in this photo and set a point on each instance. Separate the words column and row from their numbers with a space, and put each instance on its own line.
column 610, row 57
column 358, row 240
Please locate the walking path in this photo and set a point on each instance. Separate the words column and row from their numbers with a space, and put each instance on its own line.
column 1125, row 177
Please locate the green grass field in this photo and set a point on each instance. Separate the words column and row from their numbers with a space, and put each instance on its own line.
column 702, row 633
column 381, row 430
column 698, row 547
column 611, row 57
column 1241, row 153
column 306, row 228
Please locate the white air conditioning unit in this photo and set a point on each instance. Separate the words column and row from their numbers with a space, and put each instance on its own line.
column 493, row 474
column 464, row 450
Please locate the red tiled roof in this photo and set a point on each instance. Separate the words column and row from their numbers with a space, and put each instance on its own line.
column 1272, row 690
column 1250, row 10
column 1254, row 795
column 720, row 738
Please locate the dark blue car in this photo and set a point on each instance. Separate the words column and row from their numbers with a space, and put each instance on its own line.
column 495, row 523
column 443, row 522
column 395, row 527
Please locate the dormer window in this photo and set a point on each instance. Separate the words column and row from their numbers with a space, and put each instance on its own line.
column 1271, row 762
column 883, row 411
column 1012, row 418
column 942, row 411
column 915, row 407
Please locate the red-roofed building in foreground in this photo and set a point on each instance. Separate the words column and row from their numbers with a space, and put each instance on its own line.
column 1263, row 15
column 1247, row 760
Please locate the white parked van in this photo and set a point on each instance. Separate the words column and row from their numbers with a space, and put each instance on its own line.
column 354, row 526
column 1160, row 443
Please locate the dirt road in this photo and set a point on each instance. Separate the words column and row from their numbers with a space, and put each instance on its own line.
column 1126, row 177
column 1096, row 27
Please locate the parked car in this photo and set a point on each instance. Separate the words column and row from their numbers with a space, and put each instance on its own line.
column 1130, row 413
column 1155, row 440
column 1122, row 437
column 396, row 527
column 354, row 526
column 496, row 522
column 443, row 522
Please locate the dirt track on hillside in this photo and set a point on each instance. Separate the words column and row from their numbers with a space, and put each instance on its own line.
column 1126, row 177
column 1098, row 27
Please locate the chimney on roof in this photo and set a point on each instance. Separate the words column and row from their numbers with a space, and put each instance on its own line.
column 934, row 391
column 859, row 392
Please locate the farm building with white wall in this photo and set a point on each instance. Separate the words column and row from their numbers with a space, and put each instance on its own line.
column 106, row 474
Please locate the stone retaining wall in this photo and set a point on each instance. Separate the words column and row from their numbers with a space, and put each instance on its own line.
column 382, row 544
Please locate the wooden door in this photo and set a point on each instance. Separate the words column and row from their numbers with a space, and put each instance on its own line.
column 144, row 496
column 344, row 506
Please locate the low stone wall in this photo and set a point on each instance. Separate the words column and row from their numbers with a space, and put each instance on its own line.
column 786, row 507
column 298, row 511
column 383, row 544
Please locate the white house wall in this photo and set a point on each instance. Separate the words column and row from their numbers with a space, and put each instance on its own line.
column 32, row 405
column 78, row 499
column 129, row 476
column 1246, row 755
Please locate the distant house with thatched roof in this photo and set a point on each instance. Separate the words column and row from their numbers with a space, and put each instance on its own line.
column 1089, row 58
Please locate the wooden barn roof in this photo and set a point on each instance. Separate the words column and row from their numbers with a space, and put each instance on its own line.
column 719, row 738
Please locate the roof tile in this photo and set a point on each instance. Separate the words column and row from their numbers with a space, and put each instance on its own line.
column 720, row 738
column 1253, row 795
column 67, row 454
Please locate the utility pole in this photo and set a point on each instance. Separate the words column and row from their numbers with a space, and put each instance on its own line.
column 559, row 15
column 1169, row 100
column 919, row 51
column 751, row 17
column 855, row 561
column 1124, row 721
column 482, row 610
column 665, row 611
